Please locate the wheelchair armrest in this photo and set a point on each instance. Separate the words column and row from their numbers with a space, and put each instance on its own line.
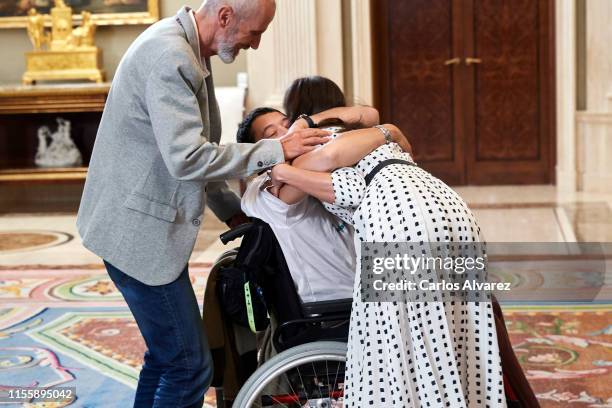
column 279, row 342
column 342, row 306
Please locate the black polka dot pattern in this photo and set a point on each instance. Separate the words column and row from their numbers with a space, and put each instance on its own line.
column 434, row 354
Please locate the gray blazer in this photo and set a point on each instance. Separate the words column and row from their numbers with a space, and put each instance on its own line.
column 156, row 158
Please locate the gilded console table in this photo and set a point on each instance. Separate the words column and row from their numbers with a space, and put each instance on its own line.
column 25, row 100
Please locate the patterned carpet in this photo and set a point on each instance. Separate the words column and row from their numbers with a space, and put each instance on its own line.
column 565, row 352
column 31, row 240
column 69, row 326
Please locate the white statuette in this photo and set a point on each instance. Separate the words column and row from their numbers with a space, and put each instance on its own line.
column 61, row 151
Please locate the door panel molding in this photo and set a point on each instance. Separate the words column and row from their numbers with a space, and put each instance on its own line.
column 415, row 85
column 489, row 117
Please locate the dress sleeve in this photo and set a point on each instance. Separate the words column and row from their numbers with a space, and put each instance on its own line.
column 349, row 189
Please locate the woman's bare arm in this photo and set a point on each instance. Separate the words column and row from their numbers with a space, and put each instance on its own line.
column 364, row 115
column 348, row 148
column 344, row 151
column 314, row 183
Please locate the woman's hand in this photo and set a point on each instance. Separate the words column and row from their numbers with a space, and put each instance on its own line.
column 295, row 184
column 270, row 187
column 278, row 174
column 275, row 190
column 398, row 137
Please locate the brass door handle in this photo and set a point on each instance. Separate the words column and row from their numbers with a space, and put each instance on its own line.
column 470, row 61
column 452, row 61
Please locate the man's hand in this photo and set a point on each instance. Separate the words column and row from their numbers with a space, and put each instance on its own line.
column 299, row 124
column 302, row 141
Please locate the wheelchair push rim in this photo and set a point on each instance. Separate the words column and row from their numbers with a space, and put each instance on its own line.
column 314, row 388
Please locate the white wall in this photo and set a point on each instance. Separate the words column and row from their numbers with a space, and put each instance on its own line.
column 599, row 55
column 113, row 41
column 594, row 125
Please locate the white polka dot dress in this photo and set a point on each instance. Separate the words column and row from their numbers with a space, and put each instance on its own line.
column 414, row 354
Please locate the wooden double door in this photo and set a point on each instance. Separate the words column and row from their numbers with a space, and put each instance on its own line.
column 471, row 82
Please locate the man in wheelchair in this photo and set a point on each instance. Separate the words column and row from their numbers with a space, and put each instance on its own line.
column 304, row 261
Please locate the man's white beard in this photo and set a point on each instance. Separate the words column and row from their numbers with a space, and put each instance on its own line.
column 226, row 53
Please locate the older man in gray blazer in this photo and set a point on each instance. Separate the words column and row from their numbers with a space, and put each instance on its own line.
column 155, row 164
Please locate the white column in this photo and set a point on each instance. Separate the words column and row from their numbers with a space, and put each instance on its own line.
column 565, row 23
column 305, row 38
column 362, row 52
column 594, row 125
column 599, row 60
column 330, row 41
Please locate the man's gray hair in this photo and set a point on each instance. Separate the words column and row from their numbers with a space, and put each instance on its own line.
column 242, row 8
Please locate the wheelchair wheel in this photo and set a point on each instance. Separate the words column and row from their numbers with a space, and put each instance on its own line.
column 310, row 375
column 226, row 257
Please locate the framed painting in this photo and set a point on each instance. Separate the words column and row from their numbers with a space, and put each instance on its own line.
column 104, row 12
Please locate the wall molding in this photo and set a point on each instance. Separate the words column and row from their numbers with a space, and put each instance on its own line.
column 594, row 117
column 594, row 148
column 566, row 72
column 361, row 27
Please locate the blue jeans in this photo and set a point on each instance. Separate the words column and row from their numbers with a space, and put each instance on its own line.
column 177, row 366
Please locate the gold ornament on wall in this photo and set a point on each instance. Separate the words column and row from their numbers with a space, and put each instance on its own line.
column 14, row 13
column 65, row 53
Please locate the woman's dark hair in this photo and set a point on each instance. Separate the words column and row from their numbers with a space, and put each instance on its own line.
column 310, row 95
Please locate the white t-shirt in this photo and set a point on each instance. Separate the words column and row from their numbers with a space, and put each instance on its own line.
column 318, row 246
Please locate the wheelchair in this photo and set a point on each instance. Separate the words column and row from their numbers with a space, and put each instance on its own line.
column 310, row 338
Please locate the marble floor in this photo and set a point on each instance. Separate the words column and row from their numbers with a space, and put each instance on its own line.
column 540, row 214
column 56, row 299
column 505, row 214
